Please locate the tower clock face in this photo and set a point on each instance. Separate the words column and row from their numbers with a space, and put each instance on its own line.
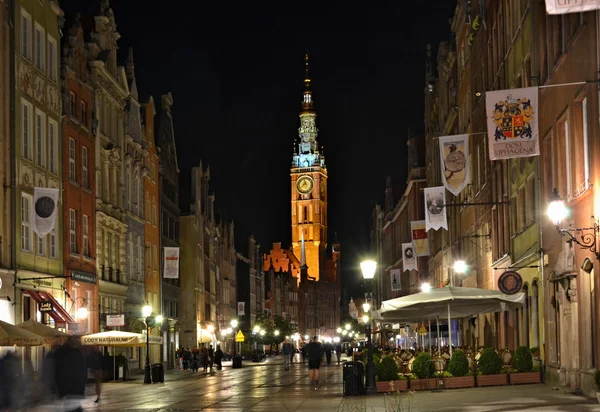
column 304, row 185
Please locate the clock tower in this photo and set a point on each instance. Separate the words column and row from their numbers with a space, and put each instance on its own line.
column 309, row 189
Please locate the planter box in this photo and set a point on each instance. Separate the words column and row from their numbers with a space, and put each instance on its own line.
column 423, row 384
column 492, row 380
column 456, row 382
column 385, row 387
column 526, row 377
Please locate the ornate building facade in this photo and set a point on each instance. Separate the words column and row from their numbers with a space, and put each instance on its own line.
column 152, row 268
column 169, row 221
column 6, row 154
column 79, row 179
column 36, row 161
column 136, row 208
column 108, row 125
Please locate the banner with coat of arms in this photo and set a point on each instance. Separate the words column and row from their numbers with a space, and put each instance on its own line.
column 512, row 121
column 435, row 208
column 409, row 260
column 454, row 155
column 419, row 238
column 571, row 6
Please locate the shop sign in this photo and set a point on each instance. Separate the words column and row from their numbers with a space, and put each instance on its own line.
column 510, row 282
column 46, row 306
column 84, row 277
column 115, row 320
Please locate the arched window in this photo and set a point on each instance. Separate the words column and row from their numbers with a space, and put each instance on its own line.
column 306, row 214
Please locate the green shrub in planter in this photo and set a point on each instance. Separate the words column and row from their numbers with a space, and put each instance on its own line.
column 423, row 366
column 523, row 361
column 459, row 364
column 388, row 370
column 489, row 362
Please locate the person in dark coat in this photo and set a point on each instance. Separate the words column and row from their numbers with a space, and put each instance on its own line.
column 314, row 350
column 328, row 347
column 70, row 373
column 338, row 352
column 211, row 356
column 219, row 358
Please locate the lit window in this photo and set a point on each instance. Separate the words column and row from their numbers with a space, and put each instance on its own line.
column 72, row 170
column 72, row 231
column 25, row 222
column 84, row 167
column 41, row 246
column 86, row 250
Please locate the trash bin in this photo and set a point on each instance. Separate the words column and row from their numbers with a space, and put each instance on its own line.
column 353, row 377
column 237, row 362
column 158, row 373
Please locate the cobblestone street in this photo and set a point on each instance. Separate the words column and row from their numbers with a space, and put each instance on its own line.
column 267, row 387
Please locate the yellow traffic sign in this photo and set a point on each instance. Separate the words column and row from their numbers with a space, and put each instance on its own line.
column 239, row 337
column 422, row 330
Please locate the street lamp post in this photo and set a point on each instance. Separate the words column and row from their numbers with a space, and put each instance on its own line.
column 234, row 324
column 368, row 268
column 585, row 237
column 150, row 321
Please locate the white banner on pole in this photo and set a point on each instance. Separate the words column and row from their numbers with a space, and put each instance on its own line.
column 512, row 122
column 171, row 265
column 435, row 208
column 419, row 238
column 395, row 279
column 454, row 156
column 409, row 260
column 45, row 203
column 571, row 6
column 241, row 308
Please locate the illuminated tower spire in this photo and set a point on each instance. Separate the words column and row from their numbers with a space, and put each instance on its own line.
column 308, row 154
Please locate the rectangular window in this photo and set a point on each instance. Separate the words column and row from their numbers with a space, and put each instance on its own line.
column 25, row 222
column 52, row 59
column 40, row 139
column 39, row 43
column 25, row 34
column 579, row 148
column 127, row 190
column 136, row 195
column 155, row 257
column 26, row 126
column 153, row 214
column 83, row 113
column 531, row 195
column 53, row 244
column 86, row 246
column 72, row 231
column 72, row 105
column 84, row 168
column 41, row 246
column 52, row 146
column 72, row 169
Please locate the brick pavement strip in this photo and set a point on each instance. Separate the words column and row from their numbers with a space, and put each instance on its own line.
column 270, row 388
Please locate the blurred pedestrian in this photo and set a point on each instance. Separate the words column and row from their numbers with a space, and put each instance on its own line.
column 195, row 359
column 205, row 359
column 10, row 382
column 211, row 356
column 328, row 347
column 314, row 351
column 288, row 350
column 338, row 352
column 69, row 372
column 219, row 358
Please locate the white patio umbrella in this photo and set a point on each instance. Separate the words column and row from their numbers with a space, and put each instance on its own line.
column 11, row 335
column 49, row 335
column 451, row 302
column 117, row 338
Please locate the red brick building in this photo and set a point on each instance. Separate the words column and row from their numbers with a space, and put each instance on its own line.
column 79, row 183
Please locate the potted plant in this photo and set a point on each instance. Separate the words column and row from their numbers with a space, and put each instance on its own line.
column 388, row 378
column 597, row 379
column 490, row 367
column 523, row 364
column 424, row 369
column 458, row 367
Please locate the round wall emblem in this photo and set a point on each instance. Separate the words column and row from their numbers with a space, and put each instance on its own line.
column 44, row 207
column 510, row 282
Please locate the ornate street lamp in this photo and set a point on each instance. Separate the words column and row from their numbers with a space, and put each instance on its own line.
column 425, row 287
column 150, row 322
column 460, row 266
column 368, row 268
column 585, row 237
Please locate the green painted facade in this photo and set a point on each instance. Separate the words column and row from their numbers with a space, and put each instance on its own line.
column 37, row 95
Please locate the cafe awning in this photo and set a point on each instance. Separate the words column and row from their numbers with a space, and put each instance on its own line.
column 52, row 307
column 119, row 338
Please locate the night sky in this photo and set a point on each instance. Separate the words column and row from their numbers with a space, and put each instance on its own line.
column 235, row 70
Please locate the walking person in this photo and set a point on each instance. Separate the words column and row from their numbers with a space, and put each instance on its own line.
column 338, row 352
column 288, row 350
column 205, row 359
column 328, row 347
column 211, row 357
column 69, row 373
column 314, row 352
column 219, row 358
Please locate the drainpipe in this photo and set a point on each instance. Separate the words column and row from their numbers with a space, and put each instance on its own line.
column 542, row 289
column 13, row 155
